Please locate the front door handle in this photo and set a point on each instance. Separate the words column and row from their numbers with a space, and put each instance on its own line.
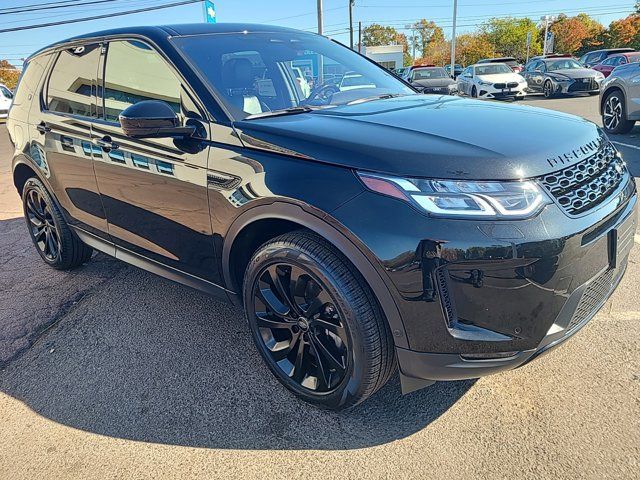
column 43, row 128
column 105, row 143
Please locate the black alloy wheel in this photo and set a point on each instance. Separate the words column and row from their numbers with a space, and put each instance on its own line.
column 548, row 89
column 43, row 230
column 315, row 321
column 614, row 115
column 54, row 240
column 301, row 327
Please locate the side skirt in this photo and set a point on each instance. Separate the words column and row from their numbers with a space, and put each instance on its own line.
column 152, row 266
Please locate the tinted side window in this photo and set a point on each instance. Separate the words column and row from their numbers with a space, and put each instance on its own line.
column 72, row 80
column 135, row 72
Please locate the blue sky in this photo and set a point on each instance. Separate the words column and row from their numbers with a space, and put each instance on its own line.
column 292, row 13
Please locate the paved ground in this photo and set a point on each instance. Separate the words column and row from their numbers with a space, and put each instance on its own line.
column 109, row 371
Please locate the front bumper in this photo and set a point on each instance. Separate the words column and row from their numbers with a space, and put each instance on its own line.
column 577, row 87
column 490, row 92
column 480, row 297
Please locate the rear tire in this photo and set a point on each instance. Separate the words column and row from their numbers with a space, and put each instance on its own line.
column 614, row 114
column 54, row 240
column 315, row 321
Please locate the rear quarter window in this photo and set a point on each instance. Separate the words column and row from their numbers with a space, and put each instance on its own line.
column 31, row 75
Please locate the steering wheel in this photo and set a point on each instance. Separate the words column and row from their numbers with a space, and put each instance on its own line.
column 322, row 93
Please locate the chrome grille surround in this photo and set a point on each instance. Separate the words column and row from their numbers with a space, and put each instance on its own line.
column 584, row 185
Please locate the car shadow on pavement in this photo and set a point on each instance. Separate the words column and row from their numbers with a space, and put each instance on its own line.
column 141, row 358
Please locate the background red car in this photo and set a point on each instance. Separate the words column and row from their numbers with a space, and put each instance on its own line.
column 609, row 63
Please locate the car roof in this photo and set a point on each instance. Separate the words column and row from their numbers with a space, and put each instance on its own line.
column 496, row 60
column 618, row 50
column 625, row 54
column 176, row 30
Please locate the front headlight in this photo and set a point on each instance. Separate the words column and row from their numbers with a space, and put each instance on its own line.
column 461, row 198
column 599, row 77
column 482, row 82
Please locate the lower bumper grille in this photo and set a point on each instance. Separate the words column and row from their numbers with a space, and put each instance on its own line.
column 593, row 298
column 583, row 85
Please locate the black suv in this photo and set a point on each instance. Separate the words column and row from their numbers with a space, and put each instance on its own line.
column 364, row 229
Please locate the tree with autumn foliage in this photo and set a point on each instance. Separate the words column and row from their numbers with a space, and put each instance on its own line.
column 9, row 74
column 577, row 35
column 624, row 33
column 509, row 36
column 471, row 47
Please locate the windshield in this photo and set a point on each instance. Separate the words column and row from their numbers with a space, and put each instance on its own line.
column 429, row 73
column 6, row 92
column 492, row 69
column 257, row 73
column 564, row 64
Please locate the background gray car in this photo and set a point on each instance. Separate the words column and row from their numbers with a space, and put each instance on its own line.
column 554, row 76
column 620, row 99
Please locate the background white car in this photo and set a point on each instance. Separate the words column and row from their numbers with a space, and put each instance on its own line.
column 491, row 80
column 353, row 81
column 6, row 97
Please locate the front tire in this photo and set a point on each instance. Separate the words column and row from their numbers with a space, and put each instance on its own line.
column 315, row 321
column 548, row 89
column 614, row 115
column 54, row 240
column 474, row 92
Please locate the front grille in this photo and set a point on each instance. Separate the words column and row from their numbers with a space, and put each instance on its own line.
column 499, row 86
column 512, row 84
column 584, row 185
column 593, row 298
column 583, row 85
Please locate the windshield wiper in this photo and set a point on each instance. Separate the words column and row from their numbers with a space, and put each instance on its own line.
column 384, row 96
column 283, row 111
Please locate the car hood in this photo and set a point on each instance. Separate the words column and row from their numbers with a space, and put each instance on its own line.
column 575, row 73
column 425, row 136
column 500, row 78
column 433, row 82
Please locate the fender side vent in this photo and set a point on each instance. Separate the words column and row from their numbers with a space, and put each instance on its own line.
column 222, row 181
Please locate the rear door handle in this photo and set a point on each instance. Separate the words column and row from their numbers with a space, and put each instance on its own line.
column 105, row 143
column 43, row 128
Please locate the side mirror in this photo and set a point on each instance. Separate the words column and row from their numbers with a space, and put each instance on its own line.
column 152, row 119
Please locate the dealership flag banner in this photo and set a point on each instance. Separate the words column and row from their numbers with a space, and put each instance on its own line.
column 209, row 11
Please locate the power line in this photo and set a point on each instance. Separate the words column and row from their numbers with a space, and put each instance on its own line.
column 137, row 3
column 37, row 4
column 34, row 8
column 594, row 11
column 98, row 17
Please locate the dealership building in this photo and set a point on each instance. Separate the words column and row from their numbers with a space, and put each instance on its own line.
column 389, row 56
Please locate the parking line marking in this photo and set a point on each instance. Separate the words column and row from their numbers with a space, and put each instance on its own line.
column 626, row 145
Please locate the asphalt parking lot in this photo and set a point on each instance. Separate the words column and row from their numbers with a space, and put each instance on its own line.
column 110, row 371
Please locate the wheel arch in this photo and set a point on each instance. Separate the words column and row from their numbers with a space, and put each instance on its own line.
column 294, row 217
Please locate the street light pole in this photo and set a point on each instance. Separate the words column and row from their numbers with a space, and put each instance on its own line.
column 320, row 21
column 453, row 37
column 351, row 2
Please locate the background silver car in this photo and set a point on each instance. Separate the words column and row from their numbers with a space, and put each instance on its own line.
column 620, row 99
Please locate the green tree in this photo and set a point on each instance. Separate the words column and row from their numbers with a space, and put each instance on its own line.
column 425, row 33
column 375, row 35
column 509, row 36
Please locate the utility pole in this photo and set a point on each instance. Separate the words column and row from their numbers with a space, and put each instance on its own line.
column 320, row 21
column 413, row 39
column 546, row 19
column 359, row 37
column 453, row 37
column 351, row 3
